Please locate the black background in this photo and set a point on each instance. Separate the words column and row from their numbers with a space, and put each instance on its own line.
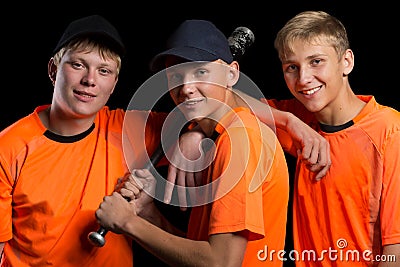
column 30, row 32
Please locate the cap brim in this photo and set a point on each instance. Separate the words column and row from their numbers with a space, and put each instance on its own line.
column 186, row 53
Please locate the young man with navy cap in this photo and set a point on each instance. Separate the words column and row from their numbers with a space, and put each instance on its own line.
column 239, row 210
column 58, row 162
column 195, row 40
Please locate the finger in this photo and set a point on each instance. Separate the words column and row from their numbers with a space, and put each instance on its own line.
column 113, row 196
column 317, row 168
column 327, row 163
column 305, row 149
column 169, row 185
column 118, row 184
column 314, row 152
column 198, row 178
column 191, row 184
column 130, row 192
column 181, row 189
column 149, row 185
column 322, row 164
column 322, row 155
column 135, row 180
column 322, row 172
column 328, row 155
column 142, row 173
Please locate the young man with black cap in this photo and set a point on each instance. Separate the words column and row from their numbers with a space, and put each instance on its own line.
column 238, row 213
column 58, row 162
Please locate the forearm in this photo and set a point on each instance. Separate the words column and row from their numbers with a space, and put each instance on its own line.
column 1, row 250
column 390, row 256
column 267, row 114
column 295, row 136
column 288, row 127
column 173, row 250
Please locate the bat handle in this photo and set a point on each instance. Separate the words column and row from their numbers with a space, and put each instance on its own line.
column 98, row 238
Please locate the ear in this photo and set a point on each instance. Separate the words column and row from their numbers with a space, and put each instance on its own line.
column 233, row 74
column 52, row 70
column 348, row 62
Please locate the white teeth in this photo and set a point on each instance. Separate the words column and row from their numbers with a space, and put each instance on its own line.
column 88, row 96
column 312, row 91
column 191, row 102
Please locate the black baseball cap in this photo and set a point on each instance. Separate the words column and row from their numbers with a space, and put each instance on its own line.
column 195, row 40
column 96, row 27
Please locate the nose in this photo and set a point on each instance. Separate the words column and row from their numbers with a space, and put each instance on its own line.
column 182, row 91
column 305, row 76
column 89, row 78
column 188, row 88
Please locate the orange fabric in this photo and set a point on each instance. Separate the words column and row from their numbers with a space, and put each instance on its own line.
column 250, row 187
column 50, row 191
column 355, row 208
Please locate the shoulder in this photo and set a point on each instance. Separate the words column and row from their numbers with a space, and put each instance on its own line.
column 245, row 128
column 381, row 123
column 107, row 113
column 25, row 128
column 381, row 117
column 19, row 135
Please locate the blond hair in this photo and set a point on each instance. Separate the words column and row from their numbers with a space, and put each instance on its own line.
column 88, row 44
column 313, row 27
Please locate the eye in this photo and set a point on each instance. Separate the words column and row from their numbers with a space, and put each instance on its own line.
column 290, row 68
column 104, row 71
column 315, row 61
column 200, row 74
column 76, row 65
column 175, row 78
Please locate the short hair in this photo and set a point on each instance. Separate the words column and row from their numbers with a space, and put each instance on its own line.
column 314, row 27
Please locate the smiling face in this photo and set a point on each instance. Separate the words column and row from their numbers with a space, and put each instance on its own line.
column 199, row 89
column 316, row 75
column 83, row 84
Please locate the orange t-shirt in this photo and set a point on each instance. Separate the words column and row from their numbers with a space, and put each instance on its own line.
column 50, row 187
column 250, row 186
column 347, row 217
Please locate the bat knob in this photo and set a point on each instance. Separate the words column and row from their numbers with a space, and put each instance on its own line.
column 97, row 238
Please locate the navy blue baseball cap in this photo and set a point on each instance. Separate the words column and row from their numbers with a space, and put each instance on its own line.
column 96, row 27
column 195, row 40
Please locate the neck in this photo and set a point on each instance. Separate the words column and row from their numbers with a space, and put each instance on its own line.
column 342, row 110
column 64, row 125
column 231, row 101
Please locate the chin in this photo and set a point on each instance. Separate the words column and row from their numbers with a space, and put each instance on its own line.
column 313, row 107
